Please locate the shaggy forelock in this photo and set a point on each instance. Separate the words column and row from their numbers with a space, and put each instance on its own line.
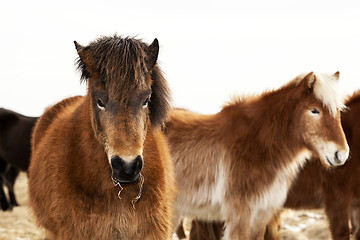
column 121, row 65
column 115, row 58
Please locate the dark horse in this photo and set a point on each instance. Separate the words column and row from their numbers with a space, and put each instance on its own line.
column 101, row 167
column 15, row 132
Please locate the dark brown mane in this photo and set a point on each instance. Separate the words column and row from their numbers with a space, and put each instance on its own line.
column 355, row 97
column 115, row 58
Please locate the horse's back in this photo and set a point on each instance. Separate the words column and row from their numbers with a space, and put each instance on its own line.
column 48, row 117
column 194, row 144
column 15, row 132
column 6, row 117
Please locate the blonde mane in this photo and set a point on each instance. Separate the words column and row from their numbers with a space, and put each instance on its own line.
column 326, row 90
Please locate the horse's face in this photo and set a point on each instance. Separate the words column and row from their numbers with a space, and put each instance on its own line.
column 120, row 122
column 320, row 126
column 120, row 97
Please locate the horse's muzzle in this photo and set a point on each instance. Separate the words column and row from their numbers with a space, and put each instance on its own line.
column 338, row 159
column 126, row 171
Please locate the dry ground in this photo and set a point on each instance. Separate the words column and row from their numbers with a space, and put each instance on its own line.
column 19, row 223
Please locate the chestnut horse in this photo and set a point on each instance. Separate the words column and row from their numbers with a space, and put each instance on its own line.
column 237, row 165
column 101, row 167
column 315, row 187
column 338, row 189
column 15, row 132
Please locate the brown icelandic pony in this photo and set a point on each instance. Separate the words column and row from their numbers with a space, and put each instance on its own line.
column 237, row 165
column 338, row 189
column 101, row 167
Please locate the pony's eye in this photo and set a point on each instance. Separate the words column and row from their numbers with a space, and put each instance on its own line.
column 315, row 111
column 145, row 104
column 100, row 104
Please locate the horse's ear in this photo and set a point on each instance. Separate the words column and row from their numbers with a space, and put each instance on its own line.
column 309, row 81
column 79, row 49
column 337, row 75
column 84, row 61
column 152, row 53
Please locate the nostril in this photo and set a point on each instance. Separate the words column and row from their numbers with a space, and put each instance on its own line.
column 120, row 166
column 138, row 164
column 338, row 157
column 341, row 156
column 117, row 163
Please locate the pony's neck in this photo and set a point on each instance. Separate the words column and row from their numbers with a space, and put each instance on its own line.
column 269, row 119
column 349, row 118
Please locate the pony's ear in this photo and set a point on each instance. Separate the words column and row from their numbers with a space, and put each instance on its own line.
column 159, row 104
column 337, row 75
column 152, row 53
column 80, row 50
column 309, row 81
column 84, row 61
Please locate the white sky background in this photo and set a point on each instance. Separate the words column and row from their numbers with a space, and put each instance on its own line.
column 209, row 50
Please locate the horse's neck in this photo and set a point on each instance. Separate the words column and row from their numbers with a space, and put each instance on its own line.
column 269, row 127
column 350, row 119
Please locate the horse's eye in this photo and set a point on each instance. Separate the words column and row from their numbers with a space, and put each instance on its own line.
column 145, row 104
column 315, row 111
column 100, row 104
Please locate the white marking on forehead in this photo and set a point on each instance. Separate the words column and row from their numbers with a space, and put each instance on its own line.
column 327, row 90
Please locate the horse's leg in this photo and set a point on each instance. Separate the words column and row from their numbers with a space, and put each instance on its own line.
column 355, row 219
column 337, row 207
column 202, row 230
column 180, row 232
column 219, row 229
column 3, row 200
column 178, row 224
column 10, row 177
column 258, row 230
column 215, row 230
column 272, row 229
column 240, row 230
column 237, row 222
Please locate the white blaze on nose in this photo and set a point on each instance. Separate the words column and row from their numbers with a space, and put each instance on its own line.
column 332, row 155
column 343, row 155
